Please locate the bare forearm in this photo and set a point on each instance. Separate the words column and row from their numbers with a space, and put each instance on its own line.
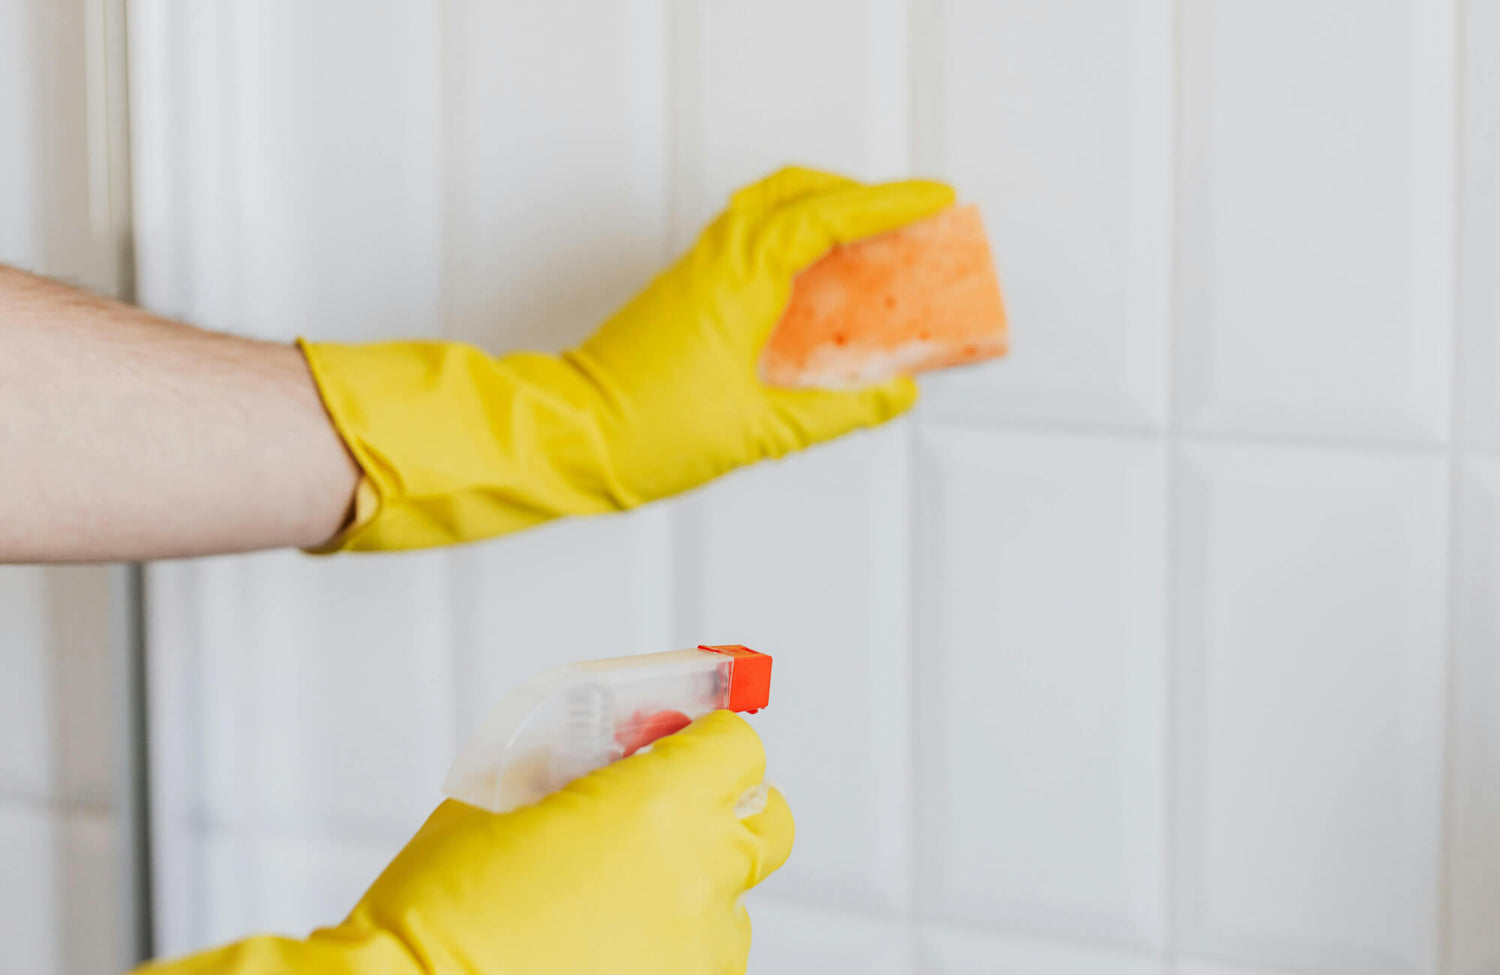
column 123, row 436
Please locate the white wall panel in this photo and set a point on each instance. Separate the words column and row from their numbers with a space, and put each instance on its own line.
column 1474, row 814
column 19, row 110
column 55, row 211
column 56, row 709
column 1315, row 205
column 949, row 951
column 557, row 141
column 800, row 939
column 805, row 559
column 292, row 696
column 291, row 164
column 1215, row 968
column 287, row 884
column 564, row 592
column 1312, row 636
column 339, row 115
column 822, row 85
column 1479, row 226
column 1039, row 731
column 59, row 908
column 317, row 703
column 971, row 722
column 61, row 904
column 354, row 174
column 1056, row 119
column 27, row 692
column 557, row 213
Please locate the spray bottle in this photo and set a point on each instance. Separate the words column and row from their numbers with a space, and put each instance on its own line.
column 571, row 720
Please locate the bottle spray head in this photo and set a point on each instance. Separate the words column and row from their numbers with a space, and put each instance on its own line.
column 568, row 721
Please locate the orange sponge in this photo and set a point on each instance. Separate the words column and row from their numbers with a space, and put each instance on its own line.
column 919, row 298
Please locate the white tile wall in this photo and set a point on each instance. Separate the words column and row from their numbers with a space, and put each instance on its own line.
column 1076, row 190
column 1474, row 727
column 808, row 556
column 1127, row 655
column 1040, row 732
column 59, row 909
column 764, row 95
column 61, row 906
column 804, row 939
column 1479, row 224
column 1316, row 211
column 1311, row 682
column 949, row 951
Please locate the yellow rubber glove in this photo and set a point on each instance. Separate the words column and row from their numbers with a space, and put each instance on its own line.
column 457, row 445
column 636, row 869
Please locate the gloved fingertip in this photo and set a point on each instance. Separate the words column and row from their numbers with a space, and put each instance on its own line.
column 929, row 195
column 798, row 233
column 894, row 397
column 775, row 832
column 867, row 211
column 719, row 755
column 786, row 184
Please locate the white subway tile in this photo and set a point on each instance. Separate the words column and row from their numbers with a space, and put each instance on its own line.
column 1316, row 218
column 949, row 951
column 59, row 911
column 311, row 688
column 1474, row 796
column 28, row 897
column 568, row 591
column 1479, row 223
column 57, row 712
column 92, row 911
column 1040, row 729
column 287, row 884
column 805, row 559
column 1056, row 119
column 87, row 701
column 773, row 87
column 797, row 939
column 1311, row 693
column 27, row 683
column 336, row 196
column 1194, row 967
column 21, row 167
column 555, row 166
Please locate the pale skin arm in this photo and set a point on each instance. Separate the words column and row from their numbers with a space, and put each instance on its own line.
column 126, row 436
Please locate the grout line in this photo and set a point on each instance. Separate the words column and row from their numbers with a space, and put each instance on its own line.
column 683, row 194
column 1171, row 730
column 127, row 612
column 458, row 566
column 1043, row 939
column 1174, row 430
column 677, row 33
column 923, row 44
column 1453, row 593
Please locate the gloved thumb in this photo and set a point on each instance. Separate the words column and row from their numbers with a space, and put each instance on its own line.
column 810, row 416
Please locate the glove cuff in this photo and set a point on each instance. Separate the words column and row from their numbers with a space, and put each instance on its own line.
column 456, row 445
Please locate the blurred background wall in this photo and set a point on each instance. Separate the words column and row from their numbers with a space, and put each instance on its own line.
column 64, row 823
column 1168, row 644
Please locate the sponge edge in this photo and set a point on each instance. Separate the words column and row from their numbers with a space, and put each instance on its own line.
column 922, row 297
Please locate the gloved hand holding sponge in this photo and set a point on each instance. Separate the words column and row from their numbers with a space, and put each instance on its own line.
column 457, row 445
column 639, row 866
